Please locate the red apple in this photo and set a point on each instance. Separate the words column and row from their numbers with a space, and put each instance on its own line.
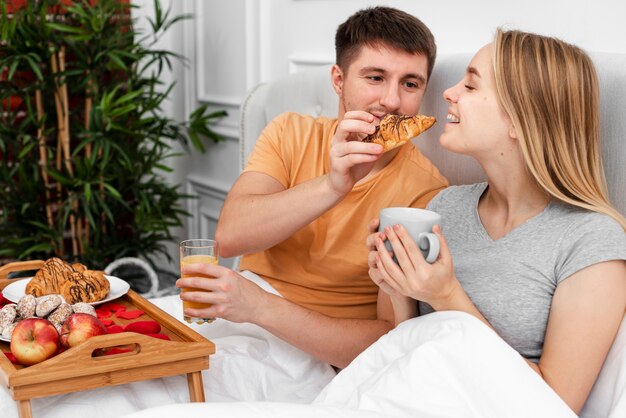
column 34, row 340
column 79, row 327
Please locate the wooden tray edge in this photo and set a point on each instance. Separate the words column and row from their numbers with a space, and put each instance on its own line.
column 152, row 351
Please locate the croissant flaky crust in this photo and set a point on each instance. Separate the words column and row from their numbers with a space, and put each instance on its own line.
column 74, row 282
column 88, row 286
column 396, row 130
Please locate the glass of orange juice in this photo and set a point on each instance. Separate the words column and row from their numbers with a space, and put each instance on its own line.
column 197, row 251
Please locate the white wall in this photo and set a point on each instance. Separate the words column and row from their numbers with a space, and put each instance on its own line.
column 235, row 44
column 307, row 27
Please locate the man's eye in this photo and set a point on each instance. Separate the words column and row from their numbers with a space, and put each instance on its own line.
column 375, row 77
column 411, row 85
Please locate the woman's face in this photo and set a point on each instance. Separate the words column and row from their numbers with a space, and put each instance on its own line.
column 477, row 125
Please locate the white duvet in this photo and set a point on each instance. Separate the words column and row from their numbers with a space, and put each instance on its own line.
column 445, row 364
column 442, row 365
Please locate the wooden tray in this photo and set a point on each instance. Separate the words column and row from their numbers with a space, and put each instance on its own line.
column 187, row 353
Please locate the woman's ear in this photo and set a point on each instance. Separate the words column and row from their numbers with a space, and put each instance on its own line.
column 512, row 131
column 336, row 76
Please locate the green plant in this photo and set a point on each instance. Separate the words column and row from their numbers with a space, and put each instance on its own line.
column 83, row 142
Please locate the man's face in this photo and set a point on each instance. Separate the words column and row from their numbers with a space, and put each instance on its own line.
column 382, row 80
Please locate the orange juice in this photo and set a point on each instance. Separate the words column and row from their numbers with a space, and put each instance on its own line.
column 192, row 259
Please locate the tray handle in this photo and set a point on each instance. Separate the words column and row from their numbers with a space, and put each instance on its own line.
column 17, row 266
column 148, row 350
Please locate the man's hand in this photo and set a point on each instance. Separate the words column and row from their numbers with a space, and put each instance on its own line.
column 233, row 297
column 334, row 340
column 350, row 158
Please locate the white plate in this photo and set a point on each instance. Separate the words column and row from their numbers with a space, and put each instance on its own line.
column 4, row 339
column 119, row 287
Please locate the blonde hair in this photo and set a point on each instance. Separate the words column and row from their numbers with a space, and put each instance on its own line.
column 549, row 89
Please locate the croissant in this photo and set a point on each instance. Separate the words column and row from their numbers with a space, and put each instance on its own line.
column 49, row 277
column 74, row 282
column 88, row 286
column 396, row 130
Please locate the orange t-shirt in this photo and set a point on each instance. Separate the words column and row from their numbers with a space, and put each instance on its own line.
column 323, row 266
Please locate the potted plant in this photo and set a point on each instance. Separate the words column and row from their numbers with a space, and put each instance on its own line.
column 83, row 143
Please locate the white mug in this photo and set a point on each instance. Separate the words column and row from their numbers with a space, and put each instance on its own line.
column 419, row 224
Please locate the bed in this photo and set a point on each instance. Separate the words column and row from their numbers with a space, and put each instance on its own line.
column 415, row 370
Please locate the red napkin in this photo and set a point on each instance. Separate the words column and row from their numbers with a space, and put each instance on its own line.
column 101, row 314
column 117, row 350
column 143, row 327
column 3, row 300
column 160, row 336
column 107, row 309
column 129, row 314
column 11, row 357
column 112, row 307
column 114, row 329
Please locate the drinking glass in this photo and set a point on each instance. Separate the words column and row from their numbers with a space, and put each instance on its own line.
column 197, row 251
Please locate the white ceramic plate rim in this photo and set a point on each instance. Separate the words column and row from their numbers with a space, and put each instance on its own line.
column 119, row 287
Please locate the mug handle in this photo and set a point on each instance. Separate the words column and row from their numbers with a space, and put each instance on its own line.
column 429, row 244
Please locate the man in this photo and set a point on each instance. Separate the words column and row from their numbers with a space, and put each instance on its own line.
column 300, row 209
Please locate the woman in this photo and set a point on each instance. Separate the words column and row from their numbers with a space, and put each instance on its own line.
column 538, row 250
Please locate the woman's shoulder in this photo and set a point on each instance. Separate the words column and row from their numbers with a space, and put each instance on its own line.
column 456, row 195
column 586, row 238
column 585, row 227
column 461, row 191
column 578, row 218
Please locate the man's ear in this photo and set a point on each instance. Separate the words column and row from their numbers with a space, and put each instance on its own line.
column 336, row 76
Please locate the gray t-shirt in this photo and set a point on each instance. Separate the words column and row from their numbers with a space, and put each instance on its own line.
column 512, row 280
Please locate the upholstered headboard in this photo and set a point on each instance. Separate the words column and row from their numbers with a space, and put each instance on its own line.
column 311, row 92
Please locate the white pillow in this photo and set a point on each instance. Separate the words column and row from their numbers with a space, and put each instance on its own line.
column 608, row 395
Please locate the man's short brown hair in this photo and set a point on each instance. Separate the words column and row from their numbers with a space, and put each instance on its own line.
column 376, row 26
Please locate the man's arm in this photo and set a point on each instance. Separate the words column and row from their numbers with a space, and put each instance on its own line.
column 235, row 298
column 260, row 212
column 333, row 340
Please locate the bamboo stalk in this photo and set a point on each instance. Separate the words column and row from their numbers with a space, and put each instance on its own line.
column 75, row 227
column 88, row 104
column 62, row 106
column 60, row 132
column 66, row 114
column 43, row 155
column 88, row 101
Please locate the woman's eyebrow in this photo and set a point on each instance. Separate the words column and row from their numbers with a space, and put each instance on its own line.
column 473, row 70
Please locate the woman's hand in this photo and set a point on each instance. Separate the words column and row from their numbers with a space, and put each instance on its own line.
column 404, row 307
column 435, row 284
column 372, row 257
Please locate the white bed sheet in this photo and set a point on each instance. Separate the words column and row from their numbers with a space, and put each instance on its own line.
column 256, row 410
column 445, row 364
